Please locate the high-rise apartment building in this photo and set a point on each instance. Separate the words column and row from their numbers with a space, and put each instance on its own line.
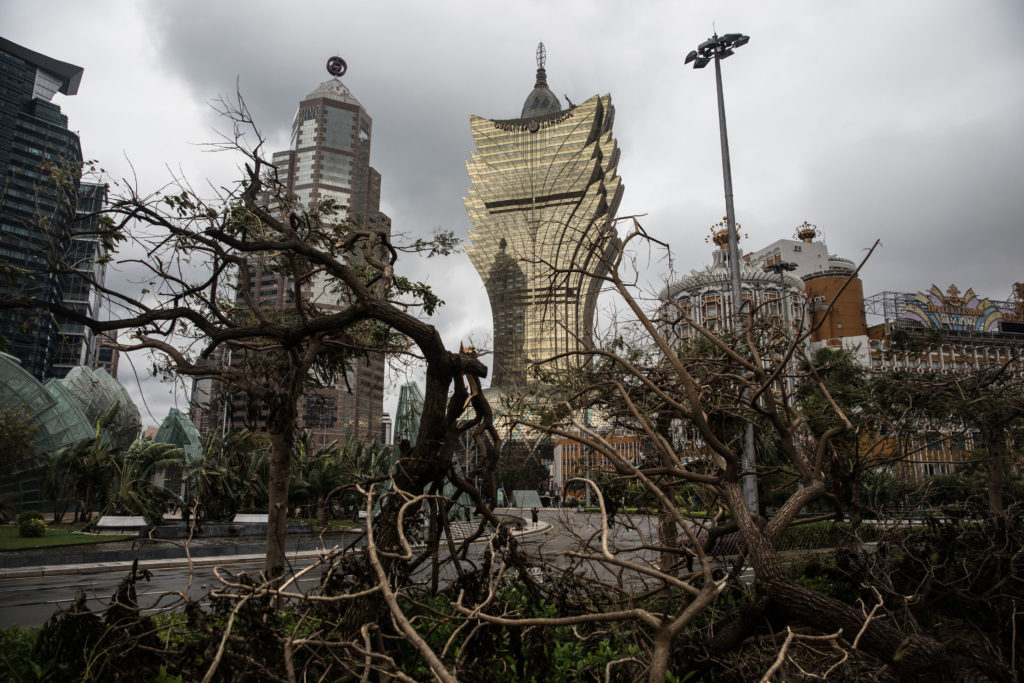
column 329, row 158
column 544, row 192
column 43, row 223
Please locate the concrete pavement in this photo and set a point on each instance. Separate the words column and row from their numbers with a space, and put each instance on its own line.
column 99, row 564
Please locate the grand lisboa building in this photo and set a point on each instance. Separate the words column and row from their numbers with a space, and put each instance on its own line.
column 544, row 193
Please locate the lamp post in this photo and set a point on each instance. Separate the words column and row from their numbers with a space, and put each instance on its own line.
column 780, row 269
column 718, row 48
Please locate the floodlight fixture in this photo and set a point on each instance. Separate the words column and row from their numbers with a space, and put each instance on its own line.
column 781, row 267
column 716, row 47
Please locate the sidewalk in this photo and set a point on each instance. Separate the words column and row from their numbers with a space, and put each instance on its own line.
column 296, row 555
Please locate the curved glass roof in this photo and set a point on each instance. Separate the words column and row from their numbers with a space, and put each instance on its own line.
column 98, row 393
column 65, row 423
column 55, row 411
column 179, row 430
column 66, row 410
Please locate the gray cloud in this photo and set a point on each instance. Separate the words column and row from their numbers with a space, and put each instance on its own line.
column 898, row 121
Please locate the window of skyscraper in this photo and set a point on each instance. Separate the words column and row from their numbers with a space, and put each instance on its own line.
column 336, row 169
column 341, row 125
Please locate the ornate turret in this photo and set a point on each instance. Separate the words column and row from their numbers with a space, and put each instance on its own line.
column 805, row 232
column 720, row 234
column 541, row 100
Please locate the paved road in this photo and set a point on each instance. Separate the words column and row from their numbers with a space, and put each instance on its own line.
column 30, row 600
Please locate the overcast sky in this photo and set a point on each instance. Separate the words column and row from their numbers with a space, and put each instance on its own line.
column 902, row 121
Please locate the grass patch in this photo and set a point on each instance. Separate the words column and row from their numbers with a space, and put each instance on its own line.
column 56, row 534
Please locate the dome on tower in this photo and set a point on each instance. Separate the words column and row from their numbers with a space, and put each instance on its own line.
column 334, row 90
column 541, row 100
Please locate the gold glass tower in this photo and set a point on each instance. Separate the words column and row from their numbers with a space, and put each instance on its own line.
column 544, row 191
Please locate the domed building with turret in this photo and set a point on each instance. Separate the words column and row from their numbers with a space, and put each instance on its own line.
column 705, row 295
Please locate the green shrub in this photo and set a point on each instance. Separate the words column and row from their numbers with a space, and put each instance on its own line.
column 16, row 645
column 29, row 514
column 32, row 528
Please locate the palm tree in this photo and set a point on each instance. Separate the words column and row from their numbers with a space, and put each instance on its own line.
column 231, row 476
column 93, row 473
column 58, row 482
column 360, row 463
column 329, row 472
column 84, row 471
column 133, row 490
column 317, row 474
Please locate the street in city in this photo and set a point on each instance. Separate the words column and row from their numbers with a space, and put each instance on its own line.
column 28, row 598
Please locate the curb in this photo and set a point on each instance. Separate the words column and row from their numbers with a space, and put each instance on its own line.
column 180, row 562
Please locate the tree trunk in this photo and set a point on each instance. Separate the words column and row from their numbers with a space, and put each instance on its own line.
column 321, row 512
column 59, row 508
column 277, row 508
column 668, row 537
column 995, row 440
column 838, row 485
column 668, row 534
column 856, row 502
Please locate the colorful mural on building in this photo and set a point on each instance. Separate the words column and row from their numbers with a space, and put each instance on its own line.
column 950, row 311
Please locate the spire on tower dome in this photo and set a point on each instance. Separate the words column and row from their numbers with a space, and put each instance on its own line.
column 541, row 100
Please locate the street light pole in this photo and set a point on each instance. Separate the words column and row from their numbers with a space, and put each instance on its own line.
column 730, row 211
column 718, row 48
column 781, row 268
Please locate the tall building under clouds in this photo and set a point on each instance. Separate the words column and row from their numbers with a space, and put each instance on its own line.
column 43, row 224
column 328, row 158
column 544, row 190
column 329, row 155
